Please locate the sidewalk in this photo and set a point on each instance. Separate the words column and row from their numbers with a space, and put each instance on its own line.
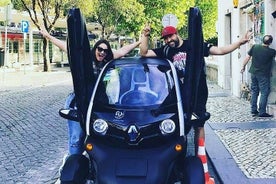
column 12, row 79
column 242, row 148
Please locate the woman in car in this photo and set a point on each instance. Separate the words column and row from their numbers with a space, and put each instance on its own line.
column 101, row 54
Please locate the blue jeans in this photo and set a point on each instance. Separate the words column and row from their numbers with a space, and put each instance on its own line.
column 259, row 84
column 76, row 134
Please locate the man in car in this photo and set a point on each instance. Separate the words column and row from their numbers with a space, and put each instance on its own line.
column 175, row 49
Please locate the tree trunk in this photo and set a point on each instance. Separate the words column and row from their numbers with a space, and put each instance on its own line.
column 46, row 62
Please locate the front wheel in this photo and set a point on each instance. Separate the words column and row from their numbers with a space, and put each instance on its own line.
column 193, row 171
column 75, row 170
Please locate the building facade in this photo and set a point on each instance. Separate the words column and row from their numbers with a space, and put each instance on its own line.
column 234, row 22
column 26, row 49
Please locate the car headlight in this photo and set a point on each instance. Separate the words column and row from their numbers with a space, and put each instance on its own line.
column 100, row 126
column 167, row 126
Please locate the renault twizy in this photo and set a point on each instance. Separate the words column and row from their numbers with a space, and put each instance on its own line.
column 135, row 126
column 134, row 123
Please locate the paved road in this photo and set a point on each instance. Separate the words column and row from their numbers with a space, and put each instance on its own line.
column 33, row 137
column 31, row 126
column 32, row 134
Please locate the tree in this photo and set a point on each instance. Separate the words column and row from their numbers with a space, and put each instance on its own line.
column 50, row 11
column 181, row 9
column 155, row 10
column 5, row 2
column 121, row 17
column 209, row 15
column 131, row 21
column 117, row 16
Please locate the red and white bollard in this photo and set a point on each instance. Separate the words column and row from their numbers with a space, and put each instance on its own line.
column 201, row 153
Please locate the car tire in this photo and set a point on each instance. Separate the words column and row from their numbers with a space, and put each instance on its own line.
column 193, row 171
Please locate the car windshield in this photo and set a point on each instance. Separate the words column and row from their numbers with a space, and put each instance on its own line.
column 134, row 85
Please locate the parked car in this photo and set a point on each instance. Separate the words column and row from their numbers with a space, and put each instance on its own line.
column 135, row 127
column 133, row 118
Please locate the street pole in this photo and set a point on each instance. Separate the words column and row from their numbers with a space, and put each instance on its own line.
column 24, row 47
column 6, row 43
column 25, row 30
column 6, row 48
column 8, row 18
column 31, row 49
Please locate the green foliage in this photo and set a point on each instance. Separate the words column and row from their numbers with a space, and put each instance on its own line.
column 213, row 40
column 17, row 4
column 86, row 6
column 50, row 11
column 5, row 2
column 117, row 16
column 209, row 13
column 128, row 17
column 122, row 17
column 180, row 8
column 47, row 9
column 155, row 10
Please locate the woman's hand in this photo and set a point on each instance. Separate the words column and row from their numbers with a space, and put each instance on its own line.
column 45, row 33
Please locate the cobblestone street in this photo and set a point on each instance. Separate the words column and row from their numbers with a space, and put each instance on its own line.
column 33, row 137
column 32, row 134
column 251, row 141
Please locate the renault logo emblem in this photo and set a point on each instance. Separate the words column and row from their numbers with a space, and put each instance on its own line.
column 132, row 129
column 133, row 133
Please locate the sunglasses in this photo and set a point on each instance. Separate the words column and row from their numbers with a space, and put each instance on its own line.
column 100, row 49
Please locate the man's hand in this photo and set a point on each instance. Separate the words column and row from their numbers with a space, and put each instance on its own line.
column 242, row 69
column 246, row 38
column 146, row 30
column 144, row 50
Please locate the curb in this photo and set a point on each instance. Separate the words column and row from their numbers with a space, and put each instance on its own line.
column 223, row 162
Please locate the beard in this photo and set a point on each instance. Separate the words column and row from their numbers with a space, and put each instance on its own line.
column 174, row 43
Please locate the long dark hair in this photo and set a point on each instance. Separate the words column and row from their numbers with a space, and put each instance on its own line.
column 98, row 65
column 109, row 55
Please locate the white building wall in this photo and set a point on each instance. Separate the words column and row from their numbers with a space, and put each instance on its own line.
column 236, row 32
column 229, row 32
column 270, row 28
column 223, row 73
column 233, row 23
